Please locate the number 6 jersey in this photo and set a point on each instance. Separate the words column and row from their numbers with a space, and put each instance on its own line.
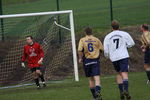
column 90, row 46
column 116, row 44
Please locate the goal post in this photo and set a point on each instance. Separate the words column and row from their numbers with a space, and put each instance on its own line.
column 74, row 47
column 47, row 40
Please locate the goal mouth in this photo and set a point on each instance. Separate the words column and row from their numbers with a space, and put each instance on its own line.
column 54, row 31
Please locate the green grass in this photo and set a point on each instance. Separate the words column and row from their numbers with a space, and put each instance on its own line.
column 94, row 13
column 79, row 90
column 88, row 12
column 10, row 2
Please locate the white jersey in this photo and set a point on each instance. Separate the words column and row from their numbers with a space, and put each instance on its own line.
column 116, row 44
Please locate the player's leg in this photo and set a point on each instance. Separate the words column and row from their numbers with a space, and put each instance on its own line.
column 96, row 74
column 125, row 80
column 92, row 70
column 126, row 85
column 147, row 69
column 119, row 81
column 41, row 76
column 87, row 70
column 97, row 83
column 97, row 87
column 124, row 66
column 35, row 77
column 147, row 63
column 92, row 86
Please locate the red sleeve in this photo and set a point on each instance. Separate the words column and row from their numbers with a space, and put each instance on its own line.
column 41, row 51
column 24, row 55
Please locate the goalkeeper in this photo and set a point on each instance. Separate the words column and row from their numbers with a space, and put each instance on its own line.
column 34, row 54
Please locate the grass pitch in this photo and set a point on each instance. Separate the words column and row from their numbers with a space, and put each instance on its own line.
column 95, row 13
column 70, row 90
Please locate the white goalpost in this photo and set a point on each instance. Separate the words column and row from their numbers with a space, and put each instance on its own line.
column 45, row 28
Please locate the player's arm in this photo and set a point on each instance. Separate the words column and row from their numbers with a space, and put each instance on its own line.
column 101, row 46
column 80, row 51
column 24, row 56
column 106, row 48
column 41, row 52
column 145, row 42
column 129, row 41
column 147, row 39
column 80, row 54
column 143, row 47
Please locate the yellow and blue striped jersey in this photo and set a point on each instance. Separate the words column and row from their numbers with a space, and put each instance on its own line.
column 145, row 39
column 90, row 46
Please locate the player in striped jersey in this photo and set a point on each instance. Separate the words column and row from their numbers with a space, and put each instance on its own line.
column 89, row 53
column 145, row 39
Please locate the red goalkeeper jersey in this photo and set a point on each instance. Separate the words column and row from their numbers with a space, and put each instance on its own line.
column 33, row 53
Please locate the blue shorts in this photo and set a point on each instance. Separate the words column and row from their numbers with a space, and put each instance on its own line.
column 121, row 65
column 147, row 56
column 91, row 67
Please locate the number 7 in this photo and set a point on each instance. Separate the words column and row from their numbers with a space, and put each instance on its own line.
column 117, row 43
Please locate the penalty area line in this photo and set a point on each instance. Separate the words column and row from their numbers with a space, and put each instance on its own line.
column 30, row 84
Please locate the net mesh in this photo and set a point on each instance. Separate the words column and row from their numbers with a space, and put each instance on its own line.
column 55, row 41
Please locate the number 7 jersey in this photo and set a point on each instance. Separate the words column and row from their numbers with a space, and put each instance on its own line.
column 90, row 46
column 116, row 44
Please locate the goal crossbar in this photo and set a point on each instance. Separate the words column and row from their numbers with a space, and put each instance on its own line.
column 36, row 14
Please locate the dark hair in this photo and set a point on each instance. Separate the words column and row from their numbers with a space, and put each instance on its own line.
column 145, row 26
column 115, row 25
column 29, row 37
column 88, row 31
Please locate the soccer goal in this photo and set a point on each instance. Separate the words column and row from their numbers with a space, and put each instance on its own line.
column 53, row 30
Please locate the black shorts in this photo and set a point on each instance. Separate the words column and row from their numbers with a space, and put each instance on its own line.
column 147, row 56
column 121, row 65
column 91, row 67
column 35, row 68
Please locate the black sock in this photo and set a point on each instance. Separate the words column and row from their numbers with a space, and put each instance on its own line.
column 148, row 75
column 93, row 92
column 37, row 82
column 120, row 86
column 42, row 78
column 98, row 88
column 125, row 84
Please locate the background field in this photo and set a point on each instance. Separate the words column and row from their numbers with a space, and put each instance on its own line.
column 89, row 12
column 69, row 90
column 94, row 13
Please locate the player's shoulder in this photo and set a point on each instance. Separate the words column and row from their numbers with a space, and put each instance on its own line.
column 83, row 38
column 96, row 38
column 25, row 46
column 36, row 43
column 146, row 33
column 108, row 35
column 91, row 37
column 118, row 32
column 124, row 32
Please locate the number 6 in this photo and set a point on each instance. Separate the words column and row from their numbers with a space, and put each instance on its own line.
column 90, row 47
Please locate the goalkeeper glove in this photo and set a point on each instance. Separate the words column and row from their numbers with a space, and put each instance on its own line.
column 23, row 65
column 40, row 61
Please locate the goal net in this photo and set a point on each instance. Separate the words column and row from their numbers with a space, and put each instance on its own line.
column 53, row 30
